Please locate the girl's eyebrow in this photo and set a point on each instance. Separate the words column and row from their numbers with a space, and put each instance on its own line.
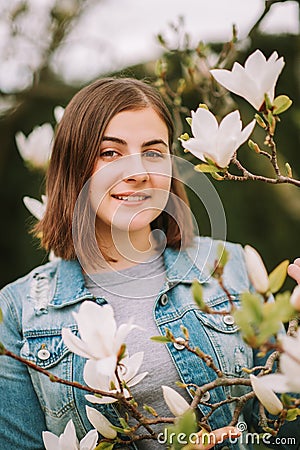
column 144, row 144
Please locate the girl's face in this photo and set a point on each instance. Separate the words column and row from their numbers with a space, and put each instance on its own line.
column 131, row 181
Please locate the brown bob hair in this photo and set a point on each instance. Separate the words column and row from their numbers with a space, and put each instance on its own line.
column 75, row 151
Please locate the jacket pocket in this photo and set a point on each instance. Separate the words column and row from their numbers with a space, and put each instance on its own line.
column 47, row 350
column 231, row 351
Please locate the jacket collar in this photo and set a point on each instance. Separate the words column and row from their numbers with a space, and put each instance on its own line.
column 70, row 286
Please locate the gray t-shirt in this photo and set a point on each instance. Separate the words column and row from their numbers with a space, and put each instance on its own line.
column 132, row 293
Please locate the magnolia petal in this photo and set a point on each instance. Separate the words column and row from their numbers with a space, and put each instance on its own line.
column 277, row 382
column 50, row 440
column 106, row 366
column 137, row 379
column 35, row 207
column 89, row 441
column 246, row 132
column 132, row 365
column 266, row 395
column 175, row 402
column 100, row 400
column 204, row 126
column 295, row 298
column 92, row 378
column 97, row 328
column 75, row 344
column 122, row 332
column 194, row 146
column 21, row 144
column 101, row 423
column 68, row 440
column 256, row 270
column 255, row 63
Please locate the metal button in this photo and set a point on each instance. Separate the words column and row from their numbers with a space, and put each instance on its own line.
column 43, row 354
column 205, row 397
column 177, row 344
column 228, row 319
column 164, row 299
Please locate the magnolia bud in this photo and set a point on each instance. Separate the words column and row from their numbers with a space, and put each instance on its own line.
column 256, row 270
column 295, row 298
column 176, row 403
column 101, row 423
column 266, row 396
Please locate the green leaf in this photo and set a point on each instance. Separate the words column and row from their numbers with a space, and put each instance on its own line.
column 2, row 349
column 207, row 168
column 150, row 410
column 288, row 169
column 184, row 137
column 105, row 446
column 281, row 104
column 222, row 255
column 162, row 339
column 189, row 120
column 197, row 291
column 292, row 414
column 253, row 146
column 278, row 275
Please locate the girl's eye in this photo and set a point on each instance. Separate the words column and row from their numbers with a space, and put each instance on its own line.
column 108, row 154
column 153, row 154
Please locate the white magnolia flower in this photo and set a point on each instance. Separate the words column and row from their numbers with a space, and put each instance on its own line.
column 100, row 339
column 289, row 362
column 36, row 207
column 68, row 439
column 58, row 113
column 36, row 148
column 127, row 372
column 256, row 270
column 252, row 82
column 100, row 422
column 213, row 141
column 295, row 298
column 266, row 395
column 176, row 403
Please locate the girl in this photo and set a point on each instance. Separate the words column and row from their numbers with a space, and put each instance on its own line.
column 118, row 222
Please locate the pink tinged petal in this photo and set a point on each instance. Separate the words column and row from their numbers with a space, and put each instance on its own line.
column 89, row 441
column 101, row 423
column 100, row 400
column 266, row 395
column 50, row 440
column 75, row 344
column 175, row 402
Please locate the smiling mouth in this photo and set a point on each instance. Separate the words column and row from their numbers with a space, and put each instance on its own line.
column 131, row 198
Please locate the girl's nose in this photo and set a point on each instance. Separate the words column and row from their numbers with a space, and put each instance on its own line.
column 134, row 169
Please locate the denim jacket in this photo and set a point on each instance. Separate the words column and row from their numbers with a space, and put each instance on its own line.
column 37, row 306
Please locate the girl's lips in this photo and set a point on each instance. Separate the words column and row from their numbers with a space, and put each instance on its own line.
column 132, row 197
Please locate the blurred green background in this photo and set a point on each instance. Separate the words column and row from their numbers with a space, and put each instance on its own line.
column 263, row 215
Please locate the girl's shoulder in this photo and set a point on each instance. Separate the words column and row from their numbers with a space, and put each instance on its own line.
column 205, row 253
column 21, row 287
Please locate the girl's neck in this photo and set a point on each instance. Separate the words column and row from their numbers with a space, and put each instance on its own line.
column 123, row 249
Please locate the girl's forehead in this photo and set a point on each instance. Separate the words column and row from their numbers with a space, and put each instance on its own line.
column 140, row 119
